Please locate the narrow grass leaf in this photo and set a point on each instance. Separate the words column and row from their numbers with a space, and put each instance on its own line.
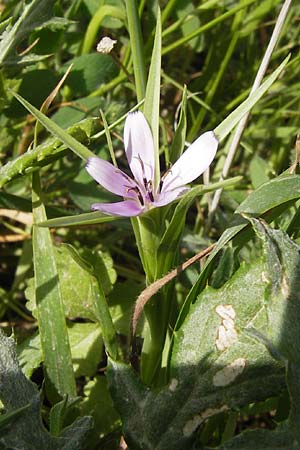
column 152, row 97
column 59, row 374
column 79, row 149
column 229, row 123
column 91, row 218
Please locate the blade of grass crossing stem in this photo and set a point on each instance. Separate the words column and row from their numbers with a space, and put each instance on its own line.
column 80, row 150
column 152, row 99
column 229, row 123
column 55, row 346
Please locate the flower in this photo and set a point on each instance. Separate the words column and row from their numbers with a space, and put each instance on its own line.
column 139, row 192
column 106, row 45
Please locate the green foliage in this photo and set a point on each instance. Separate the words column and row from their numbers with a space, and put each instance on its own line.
column 215, row 360
column 22, row 403
column 232, row 350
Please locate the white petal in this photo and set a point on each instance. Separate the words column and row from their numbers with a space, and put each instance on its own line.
column 139, row 147
column 167, row 197
column 193, row 162
column 110, row 177
column 128, row 208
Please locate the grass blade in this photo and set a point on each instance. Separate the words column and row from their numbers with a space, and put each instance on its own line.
column 80, row 150
column 51, row 317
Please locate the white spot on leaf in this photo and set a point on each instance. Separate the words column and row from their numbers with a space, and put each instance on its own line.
column 227, row 334
column 285, row 290
column 173, row 385
column 225, row 311
column 229, row 373
column 194, row 423
column 264, row 277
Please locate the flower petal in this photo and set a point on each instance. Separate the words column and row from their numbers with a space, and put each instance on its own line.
column 193, row 162
column 128, row 208
column 169, row 196
column 139, row 147
column 110, row 177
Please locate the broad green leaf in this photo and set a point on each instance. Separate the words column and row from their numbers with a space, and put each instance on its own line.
column 261, row 202
column 89, row 72
column 231, row 351
column 86, row 348
column 16, row 393
column 121, row 302
column 96, row 268
column 229, row 123
column 29, row 354
column 77, row 282
column 9, row 418
column 50, row 312
column 152, row 96
column 278, row 439
column 79, row 149
column 98, row 400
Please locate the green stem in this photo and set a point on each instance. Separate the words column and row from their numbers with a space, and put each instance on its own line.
column 136, row 42
column 104, row 319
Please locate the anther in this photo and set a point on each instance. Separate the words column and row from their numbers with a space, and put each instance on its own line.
column 163, row 179
column 138, row 193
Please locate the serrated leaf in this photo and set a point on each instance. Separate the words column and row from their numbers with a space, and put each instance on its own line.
column 33, row 16
column 278, row 439
column 261, row 202
column 230, row 351
column 17, row 392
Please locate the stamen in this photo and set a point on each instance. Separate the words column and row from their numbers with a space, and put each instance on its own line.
column 138, row 192
column 149, row 189
column 163, row 179
column 143, row 170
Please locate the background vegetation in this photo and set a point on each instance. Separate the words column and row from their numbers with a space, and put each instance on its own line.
column 194, row 375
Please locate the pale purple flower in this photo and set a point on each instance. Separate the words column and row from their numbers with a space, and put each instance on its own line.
column 139, row 192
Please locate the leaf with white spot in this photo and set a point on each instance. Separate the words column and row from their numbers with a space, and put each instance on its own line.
column 258, row 310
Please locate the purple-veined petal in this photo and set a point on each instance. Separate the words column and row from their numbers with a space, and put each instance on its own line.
column 193, row 162
column 169, row 196
column 139, row 147
column 128, row 208
column 110, row 177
